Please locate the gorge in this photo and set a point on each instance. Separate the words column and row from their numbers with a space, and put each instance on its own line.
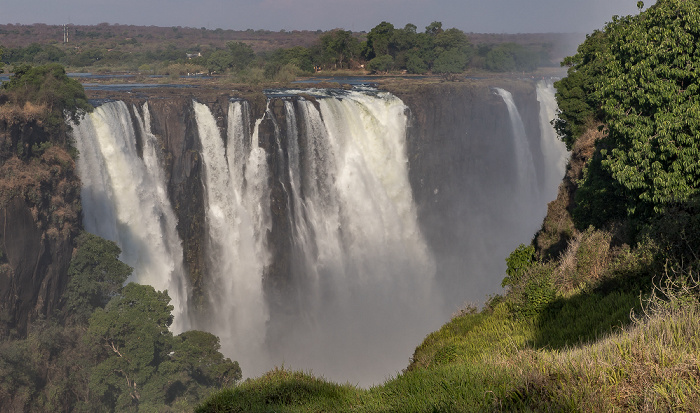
column 322, row 229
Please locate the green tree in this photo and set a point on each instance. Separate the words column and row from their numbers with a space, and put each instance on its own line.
column 219, row 61
column 453, row 39
column 651, row 105
column 579, row 106
column 499, row 59
column 96, row 275
column 141, row 366
column 131, row 333
column 339, row 47
column 518, row 262
column 434, row 28
column 379, row 40
column 415, row 63
column 242, row 54
column 382, row 63
column 450, row 62
column 49, row 85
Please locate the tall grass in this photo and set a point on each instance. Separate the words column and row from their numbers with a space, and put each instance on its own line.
column 609, row 340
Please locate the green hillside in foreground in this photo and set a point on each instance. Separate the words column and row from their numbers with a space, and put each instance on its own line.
column 601, row 310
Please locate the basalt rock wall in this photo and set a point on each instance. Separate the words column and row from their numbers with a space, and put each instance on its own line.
column 464, row 178
column 39, row 218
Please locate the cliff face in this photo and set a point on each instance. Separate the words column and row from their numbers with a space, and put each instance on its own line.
column 464, row 178
column 39, row 217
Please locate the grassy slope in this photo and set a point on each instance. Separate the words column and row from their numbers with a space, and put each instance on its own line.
column 582, row 349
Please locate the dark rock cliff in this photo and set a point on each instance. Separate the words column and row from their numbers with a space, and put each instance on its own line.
column 463, row 175
column 39, row 218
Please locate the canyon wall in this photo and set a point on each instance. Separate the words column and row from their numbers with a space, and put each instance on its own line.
column 39, row 218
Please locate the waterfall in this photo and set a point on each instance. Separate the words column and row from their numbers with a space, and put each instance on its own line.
column 125, row 200
column 236, row 198
column 554, row 150
column 313, row 255
column 365, row 275
column 527, row 179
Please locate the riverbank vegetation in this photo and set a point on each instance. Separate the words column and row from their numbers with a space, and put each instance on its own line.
column 600, row 311
column 263, row 56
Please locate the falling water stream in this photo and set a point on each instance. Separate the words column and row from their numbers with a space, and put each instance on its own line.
column 359, row 290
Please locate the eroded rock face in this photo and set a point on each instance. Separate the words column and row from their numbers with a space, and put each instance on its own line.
column 39, row 218
column 463, row 175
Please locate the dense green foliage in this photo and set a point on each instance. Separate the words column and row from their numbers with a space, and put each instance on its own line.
column 579, row 106
column 47, row 86
column 95, row 277
column 651, row 106
column 440, row 51
column 638, row 77
column 111, row 350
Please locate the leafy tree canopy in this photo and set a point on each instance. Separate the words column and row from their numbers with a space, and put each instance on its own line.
column 141, row 365
column 50, row 86
column 340, row 46
column 579, row 106
column 639, row 77
column 651, row 105
column 96, row 275
column 379, row 40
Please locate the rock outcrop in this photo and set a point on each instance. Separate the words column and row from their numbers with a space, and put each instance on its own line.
column 464, row 178
column 39, row 218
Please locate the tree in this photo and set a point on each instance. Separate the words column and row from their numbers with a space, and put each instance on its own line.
column 340, row 46
column 380, row 64
column 651, row 105
column 499, row 59
column 453, row 39
column 141, row 365
column 379, row 40
column 132, row 334
column 242, row 55
column 415, row 63
column 450, row 62
column 49, row 85
column 579, row 106
column 434, row 28
column 96, row 275
column 219, row 61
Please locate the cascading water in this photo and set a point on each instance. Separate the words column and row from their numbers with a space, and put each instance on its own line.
column 553, row 149
column 125, row 200
column 527, row 178
column 365, row 276
column 354, row 292
column 236, row 194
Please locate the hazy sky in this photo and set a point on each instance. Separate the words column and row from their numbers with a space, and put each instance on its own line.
column 493, row 16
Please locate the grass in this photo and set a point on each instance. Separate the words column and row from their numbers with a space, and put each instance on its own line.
column 610, row 340
column 649, row 365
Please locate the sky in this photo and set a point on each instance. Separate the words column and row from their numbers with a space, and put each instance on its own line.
column 479, row 16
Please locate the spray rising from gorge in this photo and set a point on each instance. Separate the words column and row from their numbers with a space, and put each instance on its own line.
column 315, row 253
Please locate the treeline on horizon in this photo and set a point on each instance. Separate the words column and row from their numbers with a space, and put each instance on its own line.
column 383, row 49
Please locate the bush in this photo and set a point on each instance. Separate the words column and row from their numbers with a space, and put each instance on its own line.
column 50, row 87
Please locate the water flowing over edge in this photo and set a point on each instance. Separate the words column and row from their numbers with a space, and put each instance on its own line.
column 362, row 277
